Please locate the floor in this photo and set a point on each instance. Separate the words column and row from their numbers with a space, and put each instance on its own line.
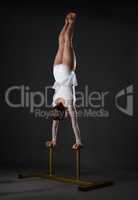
column 12, row 188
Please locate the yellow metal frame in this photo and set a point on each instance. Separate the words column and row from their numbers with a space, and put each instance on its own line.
column 83, row 184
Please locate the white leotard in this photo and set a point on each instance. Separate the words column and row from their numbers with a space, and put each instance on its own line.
column 64, row 85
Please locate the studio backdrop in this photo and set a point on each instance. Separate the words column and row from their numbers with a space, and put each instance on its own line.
column 105, row 47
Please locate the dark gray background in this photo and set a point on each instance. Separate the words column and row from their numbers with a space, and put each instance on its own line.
column 105, row 44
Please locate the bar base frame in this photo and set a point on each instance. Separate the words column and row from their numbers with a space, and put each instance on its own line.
column 83, row 185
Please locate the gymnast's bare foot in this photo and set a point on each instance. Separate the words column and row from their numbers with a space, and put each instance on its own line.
column 71, row 17
column 51, row 143
column 77, row 146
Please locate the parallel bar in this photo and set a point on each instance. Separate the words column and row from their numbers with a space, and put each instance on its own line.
column 78, row 164
column 83, row 184
column 50, row 161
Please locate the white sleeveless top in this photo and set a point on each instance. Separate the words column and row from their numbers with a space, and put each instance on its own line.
column 65, row 81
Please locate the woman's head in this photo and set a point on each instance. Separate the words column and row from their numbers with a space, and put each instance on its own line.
column 58, row 112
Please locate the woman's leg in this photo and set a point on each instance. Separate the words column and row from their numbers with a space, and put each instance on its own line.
column 68, row 51
column 59, row 55
column 74, row 121
column 65, row 53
